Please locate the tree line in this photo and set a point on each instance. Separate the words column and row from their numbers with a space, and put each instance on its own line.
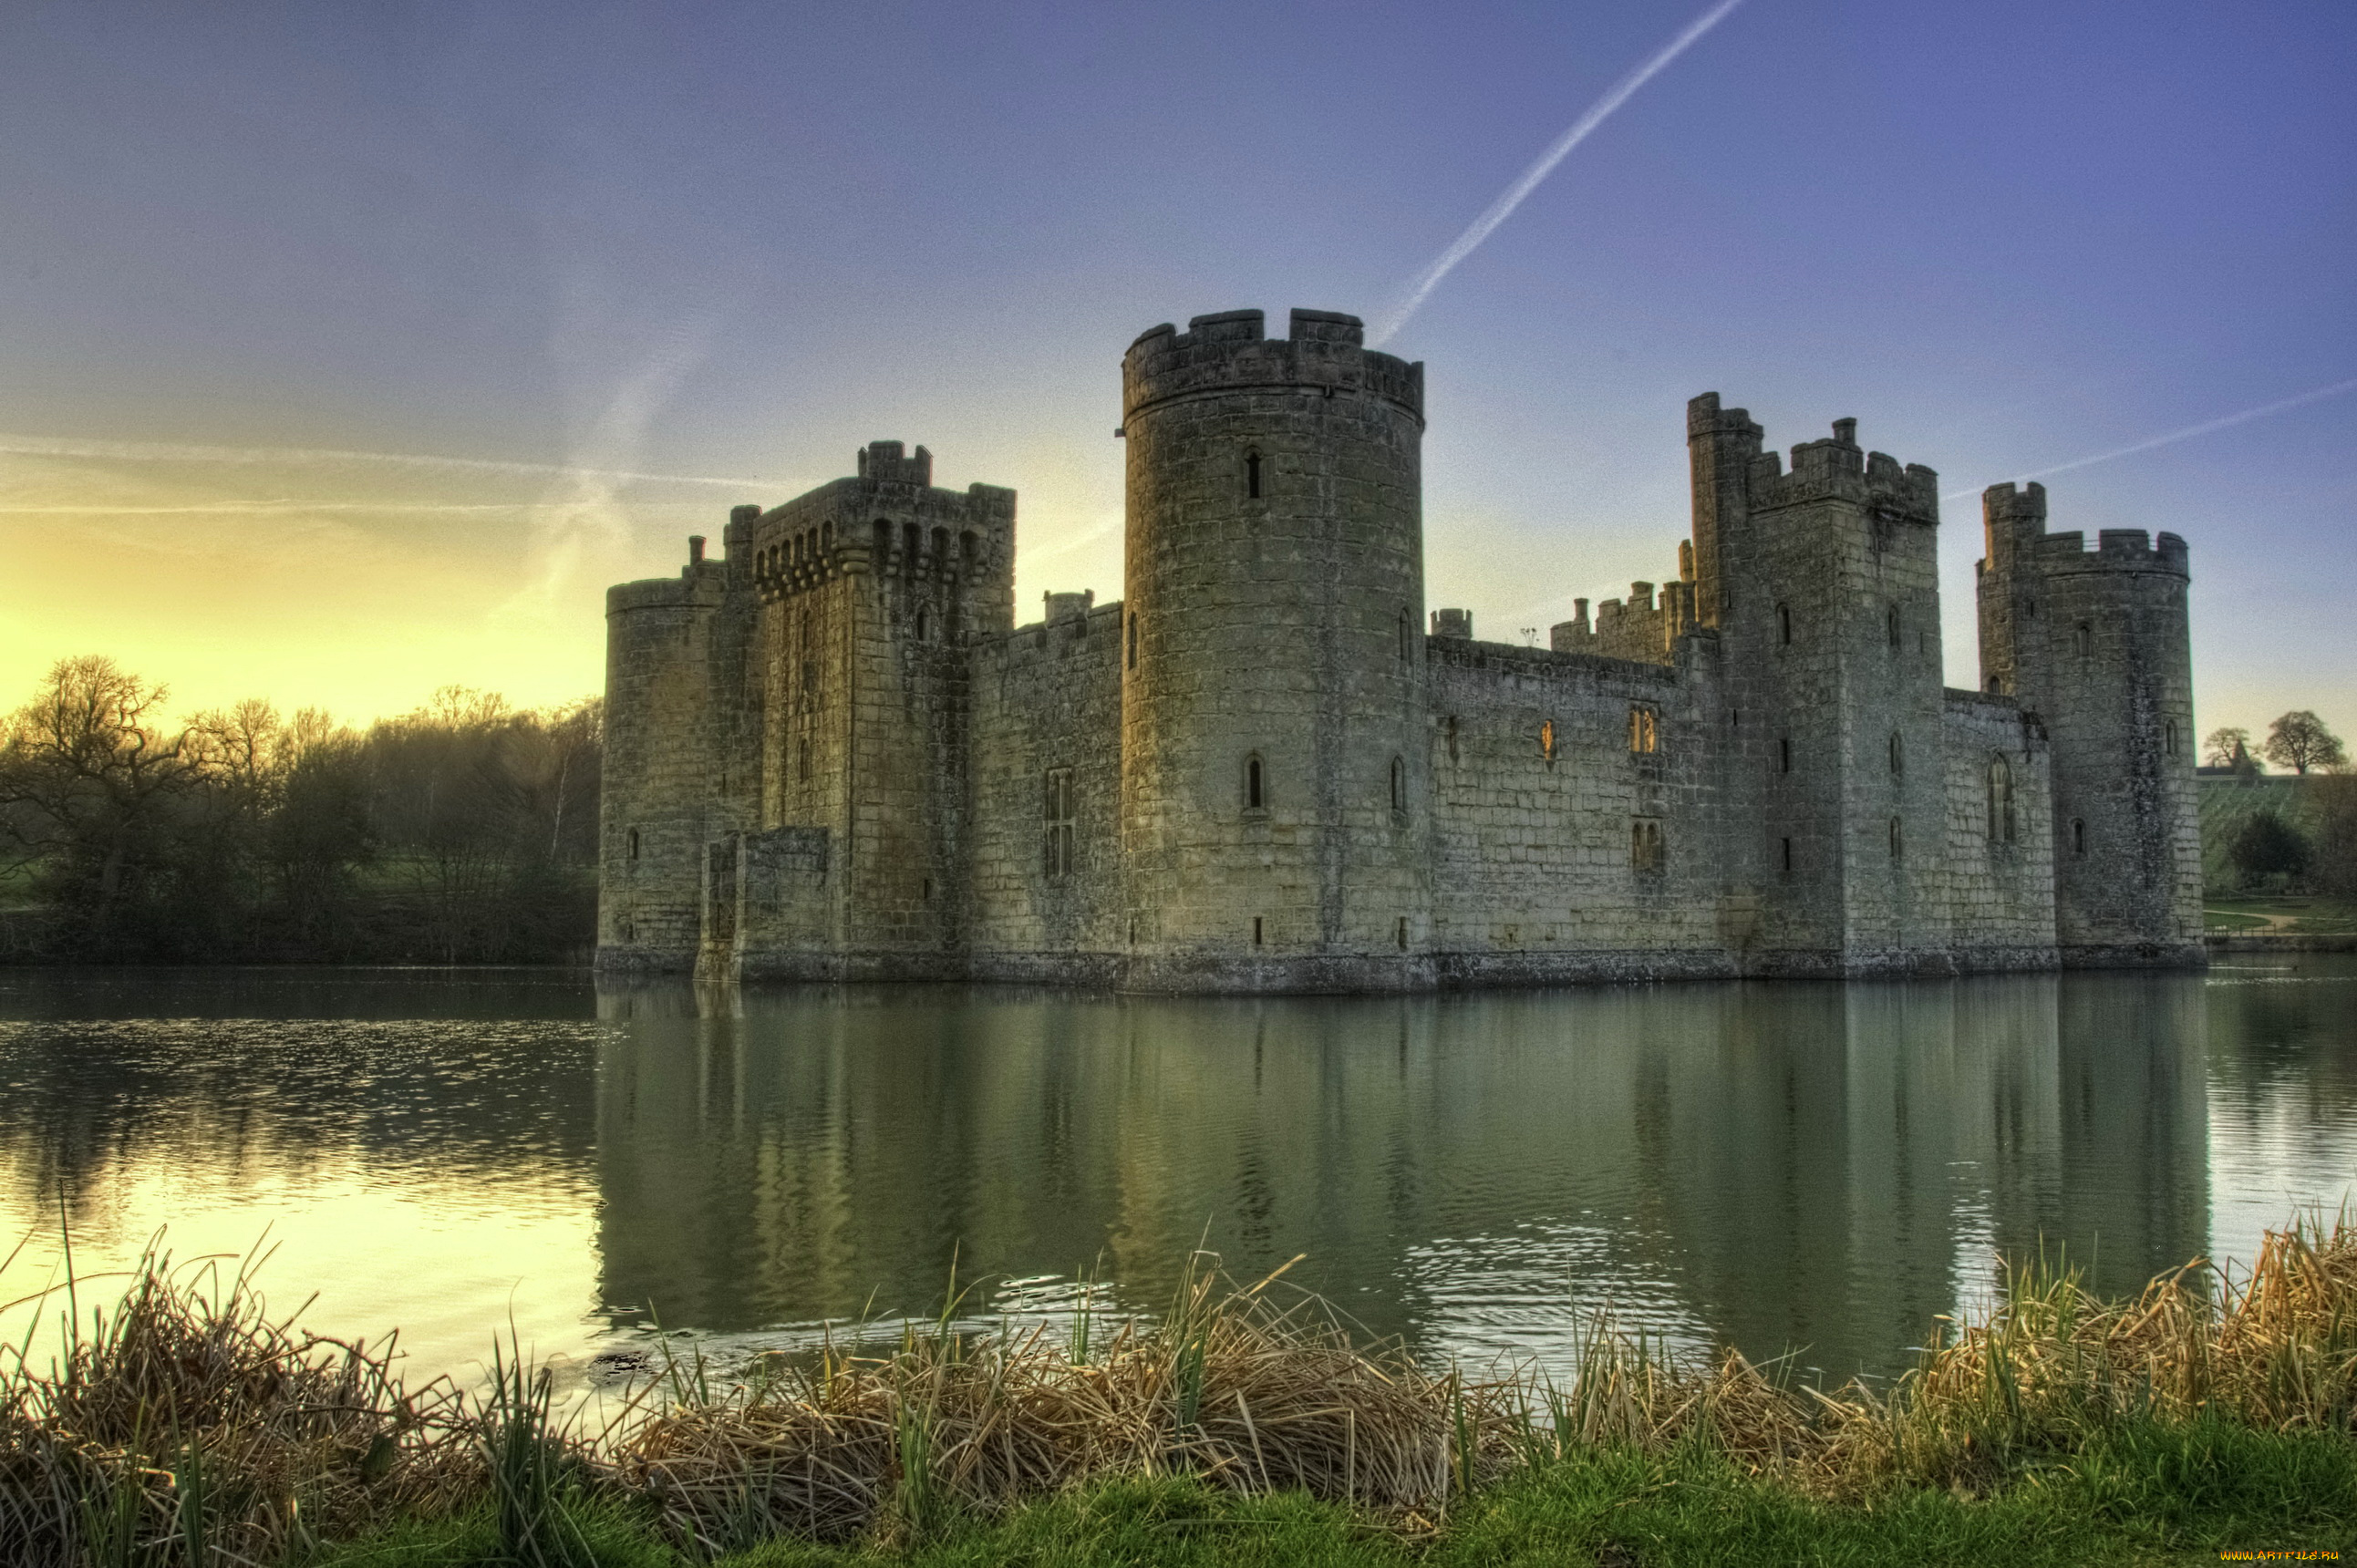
column 462, row 832
column 2314, row 847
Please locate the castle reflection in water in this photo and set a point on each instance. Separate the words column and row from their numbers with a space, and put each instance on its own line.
column 1821, row 1167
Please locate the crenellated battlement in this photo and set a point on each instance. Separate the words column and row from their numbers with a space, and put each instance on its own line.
column 1838, row 468
column 2014, row 523
column 1324, row 353
column 888, row 516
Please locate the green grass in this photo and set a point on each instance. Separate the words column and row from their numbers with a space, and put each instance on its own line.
column 2293, row 912
column 2148, row 1493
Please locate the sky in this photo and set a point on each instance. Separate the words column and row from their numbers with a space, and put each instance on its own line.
column 351, row 351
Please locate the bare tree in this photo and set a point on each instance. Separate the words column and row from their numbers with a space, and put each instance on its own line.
column 87, row 772
column 2299, row 741
column 2226, row 747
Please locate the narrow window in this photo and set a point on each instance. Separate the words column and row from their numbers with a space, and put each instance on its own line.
column 634, row 845
column 1056, row 859
column 1255, row 930
column 2083, row 639
column 1788, row 857
column 1897, row 840
column 801, row 761
column 908, row 537
column 1996, row 685
column 1898, row 754
column 1403, row 637
column 1890, row 628
column 1785, row 754
column 1251, row 784
column 1399, row 785
column 2001, row 801
column 2169, row 737
column 1252, row 473
column 1452, row 737
column 1784, row 624
column 1546, row 742
column 1402, row 933
column 2078, row 836
column 1645, row 844
column 925, row 894
column 1644, row 730
column 1132, row 640
column 923, row 624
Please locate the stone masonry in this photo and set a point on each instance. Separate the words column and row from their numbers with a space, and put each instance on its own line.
column 833, row 756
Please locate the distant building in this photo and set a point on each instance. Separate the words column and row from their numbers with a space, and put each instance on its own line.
column 831, row 755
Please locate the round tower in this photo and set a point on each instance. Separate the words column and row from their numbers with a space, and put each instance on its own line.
column 2094, row 643
column 1275, row 800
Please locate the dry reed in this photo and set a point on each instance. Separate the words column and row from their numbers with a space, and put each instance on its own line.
column 185, row 1394
column 186, row 1422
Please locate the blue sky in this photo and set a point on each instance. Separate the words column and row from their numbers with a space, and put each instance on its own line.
column 736, row 243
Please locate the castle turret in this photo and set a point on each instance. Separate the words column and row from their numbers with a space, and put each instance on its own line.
column 681, row 762
column 1273, row 713
column 872, row 588
column 1824, row 585
column 2093, row 643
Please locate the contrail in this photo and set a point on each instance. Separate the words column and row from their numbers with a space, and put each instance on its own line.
column 1504, row 208
column 2188, row 433
column 248, row 509
column 164, row 452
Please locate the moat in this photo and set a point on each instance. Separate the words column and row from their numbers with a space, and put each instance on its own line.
column 1803, row 1165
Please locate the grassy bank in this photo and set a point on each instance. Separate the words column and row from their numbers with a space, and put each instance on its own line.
column 2212, row 1412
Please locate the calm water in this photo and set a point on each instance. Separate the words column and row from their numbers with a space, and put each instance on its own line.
column 1819, row 1167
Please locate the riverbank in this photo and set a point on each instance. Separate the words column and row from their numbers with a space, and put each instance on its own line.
column 2212, row 1412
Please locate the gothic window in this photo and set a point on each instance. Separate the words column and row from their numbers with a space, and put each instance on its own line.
column 2082, row 641
column 1784, row 624
column 1058, row 823
column 2001, row 801
column 1897, row 840
column 1399, row 786
column 1898, row 754
column 1644, row 730
column 633, row 848
column 1996, row 685
column 1251, row 473
column 2078, row 836
column 1645, row 844
column 1255, row 800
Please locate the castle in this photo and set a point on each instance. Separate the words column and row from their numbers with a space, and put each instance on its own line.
column 831, row 755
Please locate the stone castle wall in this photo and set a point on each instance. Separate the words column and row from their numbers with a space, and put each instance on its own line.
column 831, row 755
column 1047, row 890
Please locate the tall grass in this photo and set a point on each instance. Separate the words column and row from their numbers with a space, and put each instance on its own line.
column 187, row 1427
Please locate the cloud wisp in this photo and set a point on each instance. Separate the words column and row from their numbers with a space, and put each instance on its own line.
column 1504, row 208
column 171, row 452
column 2206, row 427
